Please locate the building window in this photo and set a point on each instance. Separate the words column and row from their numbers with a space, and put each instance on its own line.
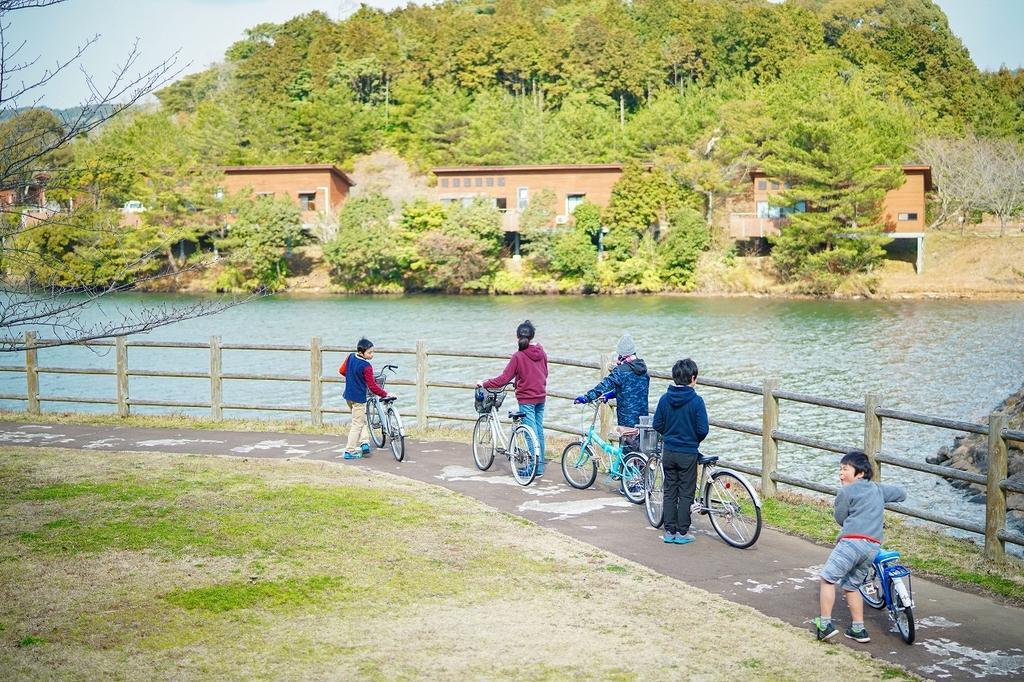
column 501, row 203
column 762, row 184
column 444, row 182
column 787, row 185
column 467, row 182
column 307, row 201
column 775, row 185
column 522, row 198
column 572, row 201
column 490, row 182
column 218, row 194
column 479, row 182
column 455, row 182
column 501, row 182
column 907, row 216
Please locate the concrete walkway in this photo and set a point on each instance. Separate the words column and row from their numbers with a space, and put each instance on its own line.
column 959, row 635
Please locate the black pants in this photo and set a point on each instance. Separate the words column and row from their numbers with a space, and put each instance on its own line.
column 680, row 483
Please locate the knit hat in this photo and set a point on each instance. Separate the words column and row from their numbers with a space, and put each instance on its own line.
column 625, row 346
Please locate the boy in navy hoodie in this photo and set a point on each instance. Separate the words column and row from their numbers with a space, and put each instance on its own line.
column 682, row 421
column 358, row 373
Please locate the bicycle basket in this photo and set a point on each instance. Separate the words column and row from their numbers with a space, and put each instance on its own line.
column 483, row 404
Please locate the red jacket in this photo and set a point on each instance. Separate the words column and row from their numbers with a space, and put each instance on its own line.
column 530, row 370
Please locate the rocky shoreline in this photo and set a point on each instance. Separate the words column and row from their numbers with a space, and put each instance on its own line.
column 970, row 453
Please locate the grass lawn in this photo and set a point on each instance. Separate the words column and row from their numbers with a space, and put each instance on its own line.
column 146, row 566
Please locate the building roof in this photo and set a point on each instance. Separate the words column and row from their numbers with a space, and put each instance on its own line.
column 512, row 169
column 299, row 168
column 907, row 167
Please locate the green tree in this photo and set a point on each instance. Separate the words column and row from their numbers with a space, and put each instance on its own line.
column 256, row 245
column 834, row 144
column 369, row 253
column 680, row 249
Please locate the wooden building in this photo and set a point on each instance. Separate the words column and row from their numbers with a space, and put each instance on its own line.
column 903, row 208
column 315, row 188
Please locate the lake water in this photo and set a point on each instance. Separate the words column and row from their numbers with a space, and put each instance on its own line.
column 954, row 359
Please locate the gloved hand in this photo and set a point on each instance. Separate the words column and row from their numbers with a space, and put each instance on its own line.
column 580, row 400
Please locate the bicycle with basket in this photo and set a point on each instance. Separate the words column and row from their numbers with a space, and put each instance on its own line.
column 723, row 495
column 520, row 448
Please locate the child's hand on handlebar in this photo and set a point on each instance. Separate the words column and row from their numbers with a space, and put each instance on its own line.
column 580, row 400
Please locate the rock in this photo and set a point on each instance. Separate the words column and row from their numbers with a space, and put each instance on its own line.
column 970, row 453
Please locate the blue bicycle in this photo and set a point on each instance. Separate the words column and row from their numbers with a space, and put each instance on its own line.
column 885, row 586
column 579, row 461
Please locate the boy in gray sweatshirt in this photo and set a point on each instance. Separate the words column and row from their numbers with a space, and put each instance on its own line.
column 858, row 509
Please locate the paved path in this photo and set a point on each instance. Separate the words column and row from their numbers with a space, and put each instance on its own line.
column 960, row 636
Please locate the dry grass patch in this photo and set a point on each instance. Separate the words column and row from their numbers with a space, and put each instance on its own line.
column 143, row 566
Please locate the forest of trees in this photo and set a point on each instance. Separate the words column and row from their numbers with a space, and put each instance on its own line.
column 820, row 92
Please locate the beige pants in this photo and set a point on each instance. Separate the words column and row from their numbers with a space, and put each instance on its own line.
column 358, row 432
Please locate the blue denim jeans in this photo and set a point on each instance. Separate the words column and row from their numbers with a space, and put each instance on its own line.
column 534, row 418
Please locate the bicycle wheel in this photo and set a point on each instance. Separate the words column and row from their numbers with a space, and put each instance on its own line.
column 632, row 481
column 734, row 515
column 375, row 422
column 654, row 491
column 395, row 438
column 578, row 466
column 902, row 613
column 483, row 443
column 522, row 455
column 871, row 590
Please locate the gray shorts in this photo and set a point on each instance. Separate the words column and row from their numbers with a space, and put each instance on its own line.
column 848, row 563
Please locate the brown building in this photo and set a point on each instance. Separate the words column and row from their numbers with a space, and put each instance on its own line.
column 512, row 187
column 902, row 208
column 316, row 188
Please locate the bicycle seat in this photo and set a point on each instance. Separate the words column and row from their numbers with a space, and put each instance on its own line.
column 516, row 414
column 390, row 399
column 706, row 459
column 885, row 555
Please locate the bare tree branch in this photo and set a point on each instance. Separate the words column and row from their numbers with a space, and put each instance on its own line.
column 65, row 309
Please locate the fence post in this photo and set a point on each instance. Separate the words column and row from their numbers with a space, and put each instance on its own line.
column 605, row 360
column 31, row 375
column 216, row 392
column 121, row 359
column 873, row 433
column 769, row 445
column 995, row 497
column 316, row 371
column 421, row 385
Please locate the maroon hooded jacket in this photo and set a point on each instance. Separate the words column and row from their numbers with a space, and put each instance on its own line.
column 530, row 370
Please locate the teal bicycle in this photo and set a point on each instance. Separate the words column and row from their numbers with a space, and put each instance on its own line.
column 580, row 461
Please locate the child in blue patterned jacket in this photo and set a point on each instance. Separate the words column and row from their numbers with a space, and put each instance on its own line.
column 631, row 383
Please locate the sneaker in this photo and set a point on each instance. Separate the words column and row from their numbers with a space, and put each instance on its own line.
column 352, row 455
column 683, row 538
column 824, row 633
column 668, row 538
column 364, row 449
column 857, row 635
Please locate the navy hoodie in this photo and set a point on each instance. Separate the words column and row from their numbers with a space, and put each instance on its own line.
column 681, row 419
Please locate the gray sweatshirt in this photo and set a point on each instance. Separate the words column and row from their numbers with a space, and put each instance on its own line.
column 859, row 507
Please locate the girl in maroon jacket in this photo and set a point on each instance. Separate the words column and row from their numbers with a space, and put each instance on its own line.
column 529, row 367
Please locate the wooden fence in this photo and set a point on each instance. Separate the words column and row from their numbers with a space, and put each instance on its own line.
column 996, row 484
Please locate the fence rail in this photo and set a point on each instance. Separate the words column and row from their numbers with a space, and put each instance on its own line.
column 996, row 483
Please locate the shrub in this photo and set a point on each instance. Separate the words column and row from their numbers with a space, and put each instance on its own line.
column 680, row 249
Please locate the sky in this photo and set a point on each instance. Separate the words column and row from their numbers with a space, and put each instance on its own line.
column 992, row 31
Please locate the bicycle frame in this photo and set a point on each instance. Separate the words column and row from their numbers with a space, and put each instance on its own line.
column 614, row 452
column 887, row 569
